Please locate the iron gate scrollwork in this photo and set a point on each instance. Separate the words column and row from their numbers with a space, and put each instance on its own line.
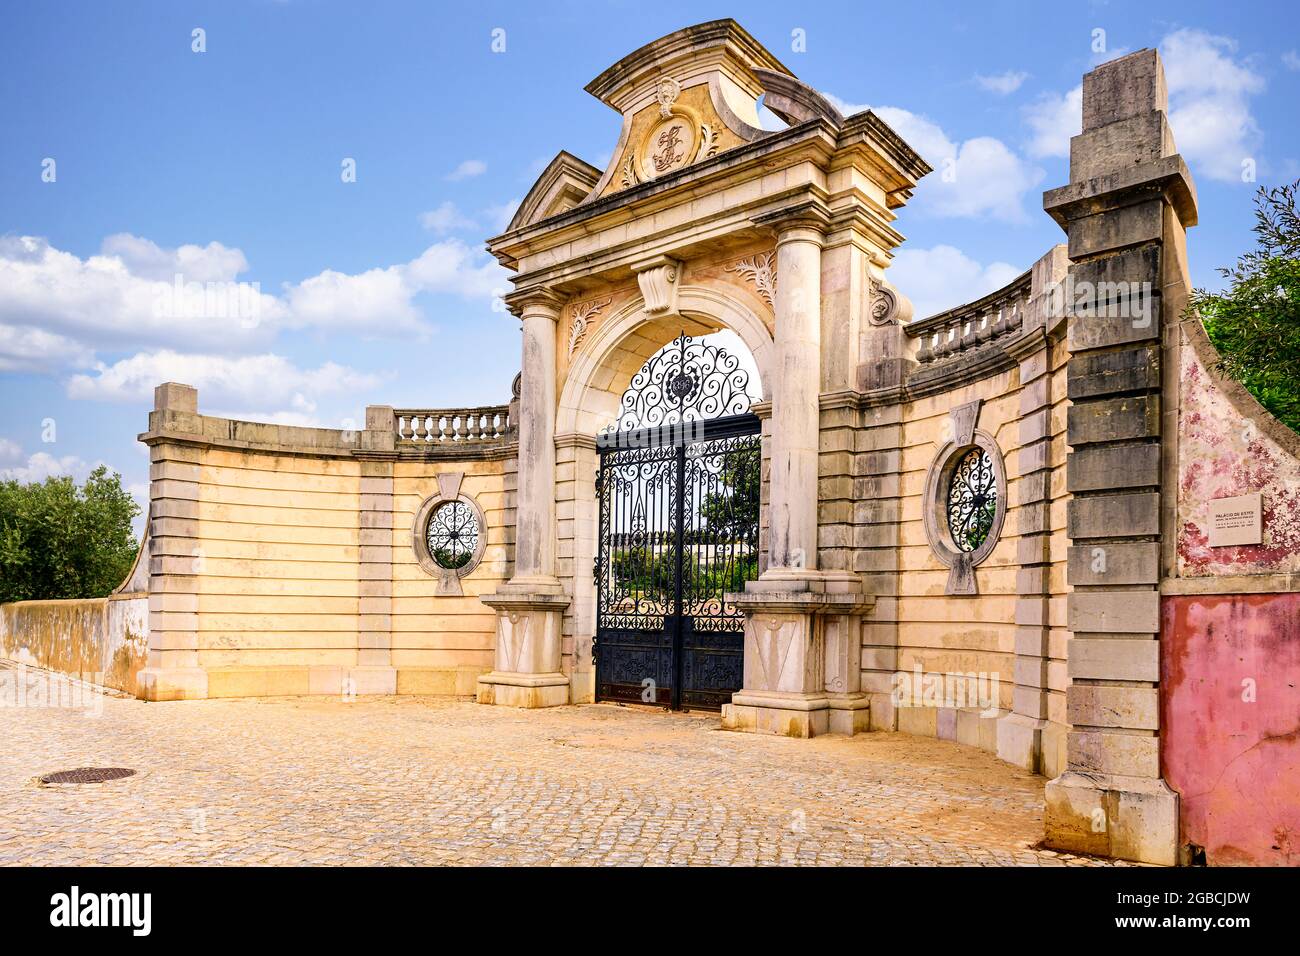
column 679, row 503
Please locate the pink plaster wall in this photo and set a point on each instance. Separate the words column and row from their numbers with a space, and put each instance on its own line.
column 1222, row 454
column 1235, row 763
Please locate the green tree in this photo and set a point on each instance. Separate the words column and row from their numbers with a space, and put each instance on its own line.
column 1255, row 324
column 58, row 540
column 731, row 512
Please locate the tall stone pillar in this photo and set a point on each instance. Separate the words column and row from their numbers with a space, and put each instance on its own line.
column 1022, row 735
column 172, row 670
column 803, row 642
column 527, row 670
column 795, row 390
column 1129, row 200
column 374, row 673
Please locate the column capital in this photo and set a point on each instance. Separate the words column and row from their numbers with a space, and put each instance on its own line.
column 535, row 301
column 806, row 221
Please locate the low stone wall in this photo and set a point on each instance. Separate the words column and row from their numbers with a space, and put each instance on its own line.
column 100, row 640
column 283, row 559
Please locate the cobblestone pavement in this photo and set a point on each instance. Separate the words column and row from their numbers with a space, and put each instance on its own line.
column 432, row 781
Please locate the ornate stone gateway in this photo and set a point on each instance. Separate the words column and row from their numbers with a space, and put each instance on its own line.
column 678, row 487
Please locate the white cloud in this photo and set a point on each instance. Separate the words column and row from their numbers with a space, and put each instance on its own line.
column 1002, row 83
column 943, row 277
column 978, row 178
column 10, row 450
column 1209, row 102
column 500, row 214
column 247, row 381
column 446, row 218
column 1291, row 60
column 147, row 260
column 452, row 267
column 56, row 309
column 100, row 300
column 378, row 300
column 1052, row 120
column 1209, row 106
column 467, row 170
column 27, row 349
column 43, row 465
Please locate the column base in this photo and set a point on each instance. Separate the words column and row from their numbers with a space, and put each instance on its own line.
column 172, row 683
column 1020, row 741
column 785, row 714
column 527, row 672
column 797, row 715
column 1129, row 818
column 849, row 714
column 523, row 690
column 802, row 656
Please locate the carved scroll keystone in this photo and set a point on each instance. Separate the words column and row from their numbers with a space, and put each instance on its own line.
column 659, row 278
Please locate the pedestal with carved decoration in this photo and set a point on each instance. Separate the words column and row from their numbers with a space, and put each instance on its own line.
column 526, row 671
column 803, row 666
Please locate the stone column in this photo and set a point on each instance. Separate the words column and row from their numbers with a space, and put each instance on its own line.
column 374, row 673
column 1020, row 734
column 528, row 670
column 172, row 670
column 803, row 643
column 1129, row 200
column 795, row 390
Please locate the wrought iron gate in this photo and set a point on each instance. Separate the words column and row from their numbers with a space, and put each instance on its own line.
column 678, row 531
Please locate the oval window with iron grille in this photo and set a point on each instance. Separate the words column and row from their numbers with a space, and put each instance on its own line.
column 972, row 499
column 452, row 535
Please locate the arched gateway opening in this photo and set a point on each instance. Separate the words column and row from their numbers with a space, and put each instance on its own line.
column 678, row 499
column 663, row 415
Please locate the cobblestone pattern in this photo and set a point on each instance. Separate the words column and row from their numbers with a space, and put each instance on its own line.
column 444, row 781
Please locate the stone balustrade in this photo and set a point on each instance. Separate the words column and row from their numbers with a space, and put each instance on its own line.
column 972, row 326
column 448, row 426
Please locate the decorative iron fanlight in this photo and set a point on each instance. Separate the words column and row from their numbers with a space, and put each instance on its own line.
column 687, row 380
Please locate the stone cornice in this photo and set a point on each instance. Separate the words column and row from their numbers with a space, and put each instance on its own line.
column 1168, row 177
column 716, row 39
column 807, row 213
column 535, row 299
column 814, row 140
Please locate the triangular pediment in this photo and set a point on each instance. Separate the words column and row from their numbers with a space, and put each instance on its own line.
column 564, row 183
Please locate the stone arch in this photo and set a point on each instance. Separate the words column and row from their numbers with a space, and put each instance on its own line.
column 600, row 371
column 620, row 345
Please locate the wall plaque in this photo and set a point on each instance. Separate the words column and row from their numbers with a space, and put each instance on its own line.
column 1236, row 520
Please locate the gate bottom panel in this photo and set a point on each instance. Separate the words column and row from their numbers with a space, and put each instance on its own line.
column 627, row 659
column 713, row 665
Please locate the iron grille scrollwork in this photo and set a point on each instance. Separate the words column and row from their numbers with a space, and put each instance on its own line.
column 452, row 535
column 687, row 380
column 972, row 499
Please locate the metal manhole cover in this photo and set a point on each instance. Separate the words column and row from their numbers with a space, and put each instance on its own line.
column 87, row 775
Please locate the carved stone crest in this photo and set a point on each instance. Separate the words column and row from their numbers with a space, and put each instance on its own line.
column 666, row 92
column 884, row 304
column 761, row 271
column 583, row 313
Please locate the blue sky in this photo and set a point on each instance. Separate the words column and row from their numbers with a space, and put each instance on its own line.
column 226, row 165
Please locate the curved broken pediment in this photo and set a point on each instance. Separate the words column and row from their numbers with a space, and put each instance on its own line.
column 794, row 101
column 684, row 98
